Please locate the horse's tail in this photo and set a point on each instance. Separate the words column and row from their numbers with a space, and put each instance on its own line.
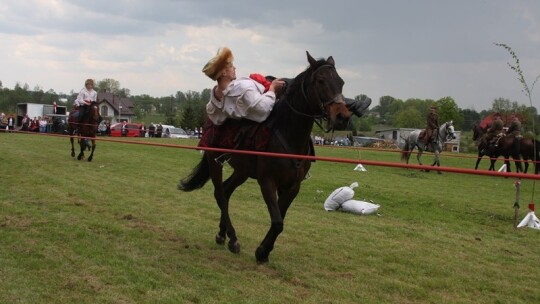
column 405, row 151
column 198, row 177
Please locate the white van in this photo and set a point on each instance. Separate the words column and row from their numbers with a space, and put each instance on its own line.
column 173, row 132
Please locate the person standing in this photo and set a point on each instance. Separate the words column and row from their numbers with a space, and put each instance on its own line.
column 124, row 129
column 11, row 123
column 142, row 132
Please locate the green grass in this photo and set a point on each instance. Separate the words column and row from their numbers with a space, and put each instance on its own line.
column 116, row 230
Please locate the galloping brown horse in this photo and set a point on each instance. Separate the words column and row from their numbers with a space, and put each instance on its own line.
column 314, row 94
column 87, row 129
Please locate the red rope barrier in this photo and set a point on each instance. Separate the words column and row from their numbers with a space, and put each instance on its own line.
column 415, row 152
column 320, row 158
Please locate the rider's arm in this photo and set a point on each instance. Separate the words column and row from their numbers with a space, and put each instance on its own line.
column 256, row 106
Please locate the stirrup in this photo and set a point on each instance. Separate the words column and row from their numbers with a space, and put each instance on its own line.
column 222, row 159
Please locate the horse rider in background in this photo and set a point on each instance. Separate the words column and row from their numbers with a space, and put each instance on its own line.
column 515, row 129
column 494, row 130
column 84, row 100
column 432, row 130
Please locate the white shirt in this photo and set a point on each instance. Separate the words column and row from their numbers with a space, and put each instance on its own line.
column 84, row 94
column 243, row 98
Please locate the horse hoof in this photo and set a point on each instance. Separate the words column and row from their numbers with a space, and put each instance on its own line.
column 90, row 159
column 220, row 240
column 79, row 157
column 260, row 257
column 72, row 154
column 234, row 247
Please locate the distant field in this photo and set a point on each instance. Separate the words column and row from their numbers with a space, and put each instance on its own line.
column 116, row 230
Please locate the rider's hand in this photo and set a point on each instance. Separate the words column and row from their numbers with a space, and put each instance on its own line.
column 277, row 85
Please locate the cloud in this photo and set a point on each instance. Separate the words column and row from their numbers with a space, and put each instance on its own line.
column 407, row 49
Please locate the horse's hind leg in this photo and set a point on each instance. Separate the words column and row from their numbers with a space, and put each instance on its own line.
column 225, row 224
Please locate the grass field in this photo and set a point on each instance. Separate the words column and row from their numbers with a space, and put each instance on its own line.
column 116, row 230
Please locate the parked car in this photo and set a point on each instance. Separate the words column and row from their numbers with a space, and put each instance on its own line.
column 133, row 129
column 175, row 133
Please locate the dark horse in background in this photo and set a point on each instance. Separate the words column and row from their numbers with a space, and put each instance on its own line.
column 529, row 149
column 86, row 129
column 314, row 94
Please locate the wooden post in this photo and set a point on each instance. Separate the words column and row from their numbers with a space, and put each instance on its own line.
column 517, row 184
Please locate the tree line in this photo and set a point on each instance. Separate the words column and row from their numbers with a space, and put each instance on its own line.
column 187, row 109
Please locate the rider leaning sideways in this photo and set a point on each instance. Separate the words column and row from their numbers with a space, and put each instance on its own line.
column 432, row 125
column 237, row 98
column 85, row 98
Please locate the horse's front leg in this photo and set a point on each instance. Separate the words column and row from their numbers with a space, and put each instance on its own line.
column 437, row 160
column 81, row 146
column 507, row 163
column 92, row 151
column 72, row 146
column 480, row 155
column 268, row 189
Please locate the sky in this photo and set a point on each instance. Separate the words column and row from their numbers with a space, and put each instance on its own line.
column 426, row 49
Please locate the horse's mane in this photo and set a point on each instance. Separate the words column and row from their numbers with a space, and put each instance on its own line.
column 281, row 108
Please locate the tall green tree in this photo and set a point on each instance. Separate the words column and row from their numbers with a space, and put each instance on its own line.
column 410, row 117
column 470, row 117
column 449, row 111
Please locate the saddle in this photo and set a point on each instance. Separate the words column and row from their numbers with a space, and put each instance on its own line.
column 241, row 134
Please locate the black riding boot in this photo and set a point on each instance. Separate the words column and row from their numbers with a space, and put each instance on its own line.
column 358, row 107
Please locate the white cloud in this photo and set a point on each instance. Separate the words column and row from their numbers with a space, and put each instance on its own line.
column 404, row 49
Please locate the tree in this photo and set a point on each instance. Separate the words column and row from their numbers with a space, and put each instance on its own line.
column 501, row 105
column 109, row 84
column 188, row 121
column 409, row 118
column 448, row 110
column 470, row 117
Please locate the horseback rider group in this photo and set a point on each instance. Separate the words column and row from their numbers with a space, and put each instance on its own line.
column 496, row 131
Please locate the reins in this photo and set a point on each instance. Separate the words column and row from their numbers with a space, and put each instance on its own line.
column 316, row 118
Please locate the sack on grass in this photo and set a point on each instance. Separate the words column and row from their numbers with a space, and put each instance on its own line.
column 340, row 195
column 359, row 207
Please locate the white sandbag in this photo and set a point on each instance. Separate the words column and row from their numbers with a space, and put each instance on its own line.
column 359, row 207
column 340, row 195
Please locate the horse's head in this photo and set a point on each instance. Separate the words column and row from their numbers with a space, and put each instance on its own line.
column 449, row 130
column 478, row 131
column 323, row 90
column 94, row 112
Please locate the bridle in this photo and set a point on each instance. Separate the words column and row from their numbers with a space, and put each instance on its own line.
column 317, row 118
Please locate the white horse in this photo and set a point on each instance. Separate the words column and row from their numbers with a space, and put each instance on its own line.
column 446, row 133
